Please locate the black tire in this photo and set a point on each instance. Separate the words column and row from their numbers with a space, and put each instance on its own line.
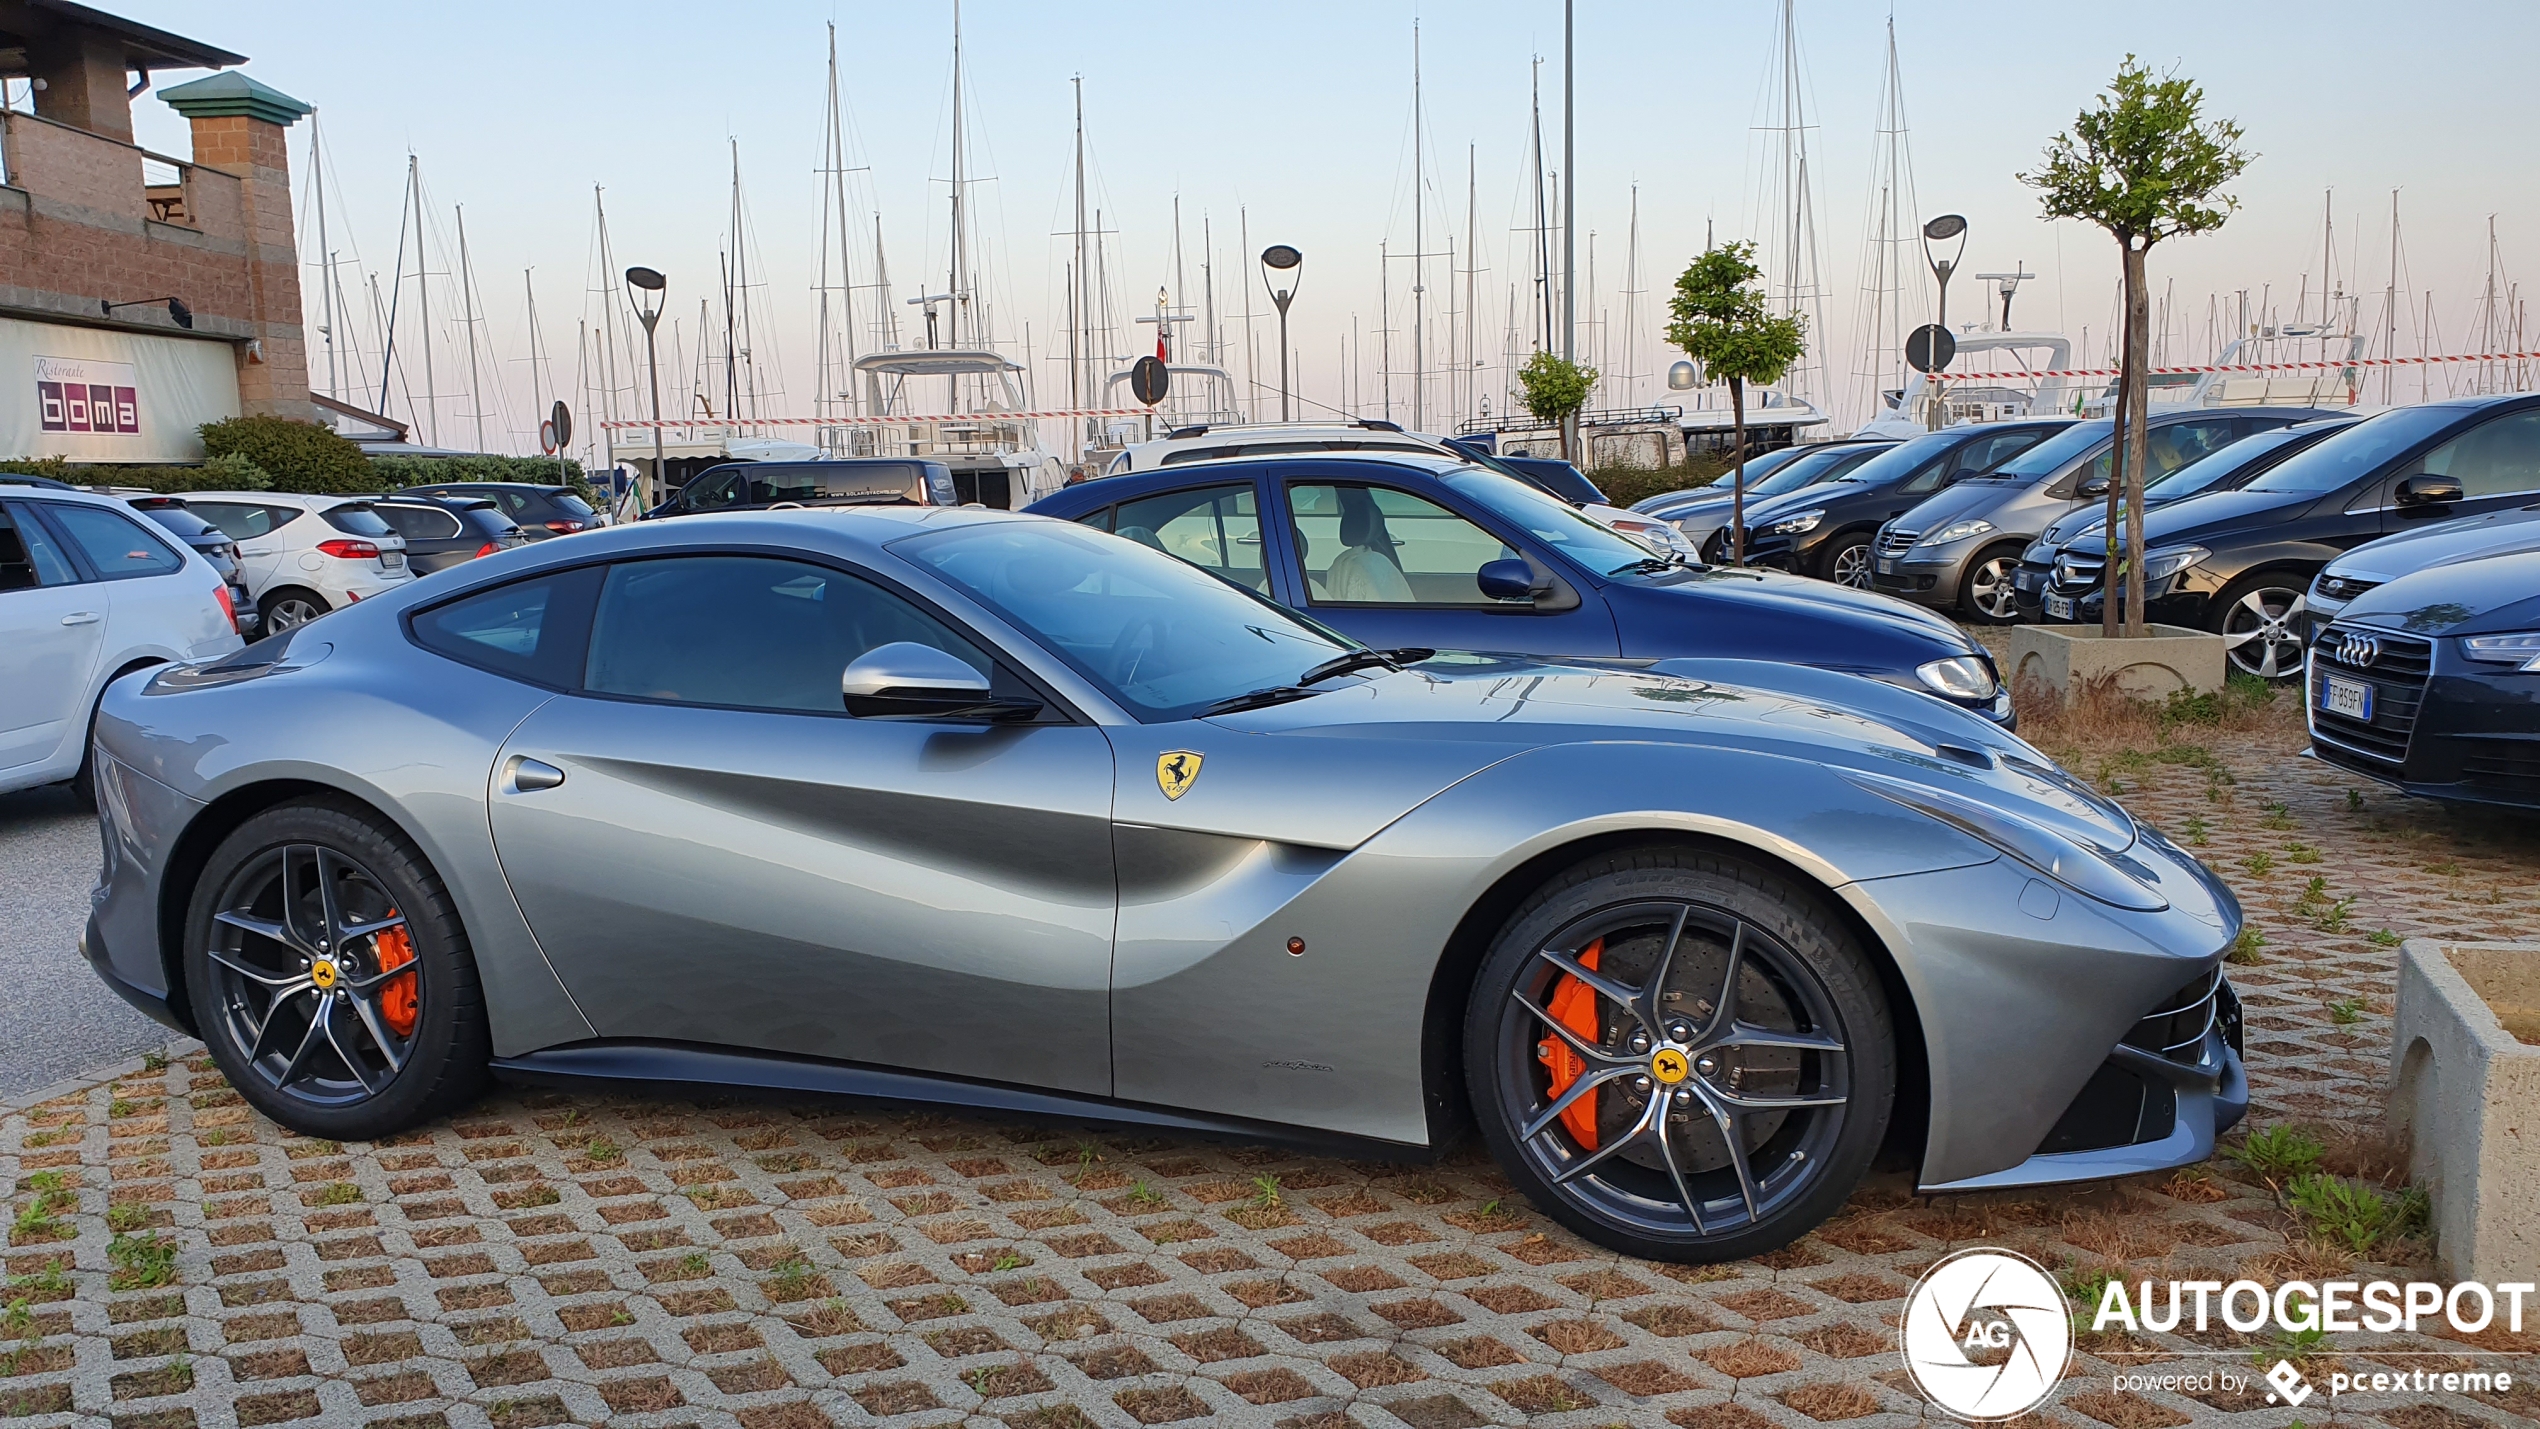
column 1847, row 561
column 2263, row 610
column 1985, row 595
column 342, row 1074
column 1800, row 970
column 287, row 608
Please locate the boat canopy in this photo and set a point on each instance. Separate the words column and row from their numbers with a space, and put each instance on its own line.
column 937, row 362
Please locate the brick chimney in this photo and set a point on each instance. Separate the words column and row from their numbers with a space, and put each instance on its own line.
column 240, row 127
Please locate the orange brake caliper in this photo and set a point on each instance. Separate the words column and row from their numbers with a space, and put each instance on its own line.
column 1574, row 1005
column 397, row 999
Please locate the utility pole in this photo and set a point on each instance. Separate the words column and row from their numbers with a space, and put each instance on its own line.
column 1419, row 244
column 1569, row 210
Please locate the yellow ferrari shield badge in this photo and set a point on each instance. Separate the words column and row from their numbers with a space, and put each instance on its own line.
column 1669, row 1066
column 1175, row 769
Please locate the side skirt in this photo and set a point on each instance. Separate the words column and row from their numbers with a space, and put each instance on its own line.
column 677, row 1067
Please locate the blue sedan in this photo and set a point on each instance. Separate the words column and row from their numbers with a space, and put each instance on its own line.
column 1401, row 549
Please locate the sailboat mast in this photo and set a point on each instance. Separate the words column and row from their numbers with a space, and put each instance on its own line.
column 529, row 287
column 1472, row 265
column 959, row 293
column 423, row 304
column 326, row 255
column 1080, row 345
column 467, row 319
column 1419, row 243
column 846, row 394
column 2390, row 302
column 1543, row 228
column 1252, row 339
column 1569, row 189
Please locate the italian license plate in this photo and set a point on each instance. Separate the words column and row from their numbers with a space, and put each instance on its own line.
column 391, row 560
column 1887, row 565
column 2059, row 606
column 2351, row 698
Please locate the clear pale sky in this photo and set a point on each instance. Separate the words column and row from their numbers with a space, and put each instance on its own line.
column 1303, row 122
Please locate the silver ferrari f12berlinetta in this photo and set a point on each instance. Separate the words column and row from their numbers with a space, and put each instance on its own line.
column 968, row 807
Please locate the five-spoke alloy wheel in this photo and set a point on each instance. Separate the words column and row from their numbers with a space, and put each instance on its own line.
column 328, row 975
column 1680, row 1055
column 2263, row 626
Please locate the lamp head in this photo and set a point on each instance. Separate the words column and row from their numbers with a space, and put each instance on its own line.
column 1947, row 226
column 1280, row 256
column 646, row 279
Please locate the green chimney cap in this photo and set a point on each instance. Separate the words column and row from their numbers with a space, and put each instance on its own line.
column 230, row 92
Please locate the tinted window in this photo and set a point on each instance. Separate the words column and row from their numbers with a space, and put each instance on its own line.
column 2494, row 458
column 1373, row 545
column 2359, row 451
column 1919, row 457
column 179, row 521
column 531, row 630
column 357, row 520
column 2050, row 455
column 714, row 490
column 28, row 557
column 2218, row 471
column 118, row 546
column 418, row 523
column 748, row 631
column 242, row 522
column 1161, row 638
column 1215, row 528
column 570, row 504
column 1547, row 520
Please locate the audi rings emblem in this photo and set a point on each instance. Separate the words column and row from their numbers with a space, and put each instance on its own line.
column 2357, row 650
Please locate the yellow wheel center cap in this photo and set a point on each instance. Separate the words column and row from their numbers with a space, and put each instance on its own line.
column 1670, row 1066
column 322, row 972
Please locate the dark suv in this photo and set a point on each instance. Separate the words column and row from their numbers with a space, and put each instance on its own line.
column 1824, row 529
column 446, row 531
column 2237, row 562
column 778, row 485
column 539, row 511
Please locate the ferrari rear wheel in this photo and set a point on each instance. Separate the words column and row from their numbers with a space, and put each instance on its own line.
column 330, row 977
column 1680, row 1055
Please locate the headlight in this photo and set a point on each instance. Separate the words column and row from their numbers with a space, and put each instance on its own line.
column 2081, row 867
column 1956, row 531
column 2161, row 565
column 2521, row 651
column 2040, row 552
column 1799, row 524
column 1961, row 677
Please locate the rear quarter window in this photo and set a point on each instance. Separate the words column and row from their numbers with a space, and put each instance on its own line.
column 534, row 630
column 357, row 520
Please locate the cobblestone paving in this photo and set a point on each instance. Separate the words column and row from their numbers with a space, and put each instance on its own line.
column 545, row 1259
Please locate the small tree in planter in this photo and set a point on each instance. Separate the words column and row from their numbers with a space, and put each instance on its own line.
column 2144, row 165
column 1554, row 389
column 1721, row 322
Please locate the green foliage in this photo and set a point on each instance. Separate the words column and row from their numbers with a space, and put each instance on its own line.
column 1555, row 388
column 2356, row 1217
column 1625, row 485
column 2280, row 1152
column 2196, row 830
column 394, row 472
column 299, row 456
column 2346, row 1011
column 2145, row 164
column 2278, row 816
column 1721, row 321
column 234, row 471
column 2258, row 863
column 2244, row 948
column 141, row 1261
column 2383, row 938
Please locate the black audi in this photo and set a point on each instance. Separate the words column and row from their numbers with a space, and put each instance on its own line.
column 2431, row 683
column 2238, row 562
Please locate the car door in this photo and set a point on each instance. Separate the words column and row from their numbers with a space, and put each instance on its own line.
column 256, row 528
column 52, row 633
column 1390, row 568
column 1216, row 528
column 712, row 851
column 2496, row 462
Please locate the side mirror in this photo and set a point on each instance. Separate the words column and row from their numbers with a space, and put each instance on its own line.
column 908, row 680
column 2095, row 486
column 2425, row 487
column 1509, row 579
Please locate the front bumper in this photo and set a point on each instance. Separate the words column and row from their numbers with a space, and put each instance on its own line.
column 153, row 1005
column 1926, row 580
column 2438, row 726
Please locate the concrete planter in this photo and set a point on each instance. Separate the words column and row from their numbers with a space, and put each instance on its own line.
column 2465, row 1100
column 2067, row 658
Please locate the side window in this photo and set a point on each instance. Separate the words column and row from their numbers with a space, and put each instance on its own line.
column 1372, row 545
column 418, row 523
column 2495, row 458
column 750, row 631
column 2181, row 443
column 783, row 483
column 1997, row 449
column 237, row 522
column 1099, row 520
column 714, row 491
column 1216, row 528
column 1940, row 469
column 117, row 546
column 529, row 630
column 28, row 557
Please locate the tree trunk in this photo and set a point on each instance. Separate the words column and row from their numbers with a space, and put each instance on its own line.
column 1737, row 479
column 2138, row 400
column 2120, row 461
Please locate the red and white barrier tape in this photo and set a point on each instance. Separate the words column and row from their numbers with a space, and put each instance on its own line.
column 668, row 422
column 2338, row 366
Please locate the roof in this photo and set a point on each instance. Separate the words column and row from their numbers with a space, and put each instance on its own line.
column 937, row 361
column 143, row 46
column 361, row 414
column 230, row 92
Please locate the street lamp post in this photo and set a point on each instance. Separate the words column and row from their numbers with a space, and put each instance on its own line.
column 1280, row 262
column 1941, row 230
column 648, row 289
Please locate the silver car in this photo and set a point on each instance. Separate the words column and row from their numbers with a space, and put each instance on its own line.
column 978, row 808
column 1960, row 550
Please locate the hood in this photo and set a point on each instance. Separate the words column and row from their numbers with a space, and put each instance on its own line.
column 1763, row 509
column 2497, row 533
column 1778, row 606
column 1966, row 498
column 1511, row 704
column 2217, row 512
column 2487, row 595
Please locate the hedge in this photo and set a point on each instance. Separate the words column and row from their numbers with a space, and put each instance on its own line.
column 399, row 471
column 300, row 456
column 229, row 473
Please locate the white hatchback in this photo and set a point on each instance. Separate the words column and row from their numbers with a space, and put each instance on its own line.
column 302, row 556
column 89, row 591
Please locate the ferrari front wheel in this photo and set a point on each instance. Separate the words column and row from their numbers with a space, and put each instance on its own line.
column 1680, row 1055
column 329, row 975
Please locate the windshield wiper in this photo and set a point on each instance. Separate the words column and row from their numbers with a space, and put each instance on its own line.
column 1261, row 698
column 1361, row 659
column 1649, row 565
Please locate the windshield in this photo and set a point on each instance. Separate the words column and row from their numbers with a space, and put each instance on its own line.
column 357, row 520
column 1532, row 510
column 2217, row 471
column 1898, row 463
column 2051, row 455
column 2358, row 451
column 1160, row 636
column 571, row 504
column 1814, row 467
column 179, row 520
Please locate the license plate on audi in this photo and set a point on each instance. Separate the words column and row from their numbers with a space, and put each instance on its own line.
column 2351, row 698
column 2060, row 607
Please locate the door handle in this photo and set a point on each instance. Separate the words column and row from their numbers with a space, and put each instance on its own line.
column 80, row 617
column 524, row 775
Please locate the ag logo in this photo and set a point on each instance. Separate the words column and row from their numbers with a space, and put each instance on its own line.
column 1987, row 1334
column 1174, row 771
